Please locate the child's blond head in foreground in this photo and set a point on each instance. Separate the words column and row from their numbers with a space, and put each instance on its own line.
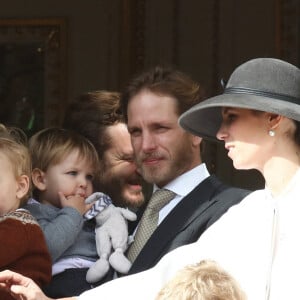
column 203, row 281
column 15, row 168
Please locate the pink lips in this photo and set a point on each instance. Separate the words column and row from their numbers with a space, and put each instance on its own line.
column 135, row 187
column 228, row 146
column 151, row 161
column 229, row 149
column 81, row 195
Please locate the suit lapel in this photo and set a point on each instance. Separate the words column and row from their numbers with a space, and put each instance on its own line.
column 189, row 208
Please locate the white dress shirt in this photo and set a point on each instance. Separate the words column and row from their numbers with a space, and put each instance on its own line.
column 181, row 186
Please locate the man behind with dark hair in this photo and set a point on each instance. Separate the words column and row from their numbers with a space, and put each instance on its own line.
column 169, row 158
column 97, row 116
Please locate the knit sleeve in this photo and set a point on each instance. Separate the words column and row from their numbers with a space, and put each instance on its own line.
column 23, row 248
column 13, row 244
column 61, row 227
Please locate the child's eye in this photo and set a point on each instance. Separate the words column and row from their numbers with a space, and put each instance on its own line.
column 73, row 173
column 90, row 177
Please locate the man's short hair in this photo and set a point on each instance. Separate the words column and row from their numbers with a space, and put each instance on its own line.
column 167, row 82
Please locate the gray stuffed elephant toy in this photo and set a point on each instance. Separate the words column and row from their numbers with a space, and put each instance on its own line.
column 111, row 238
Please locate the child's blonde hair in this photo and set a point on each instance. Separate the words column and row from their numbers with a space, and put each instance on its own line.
column 50, row 146
column 13, row 145
column 203, row 281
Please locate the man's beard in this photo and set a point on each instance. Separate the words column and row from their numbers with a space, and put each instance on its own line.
column 168, row 168
column 115, row 188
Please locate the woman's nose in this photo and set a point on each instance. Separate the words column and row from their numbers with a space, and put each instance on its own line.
column 221, row 134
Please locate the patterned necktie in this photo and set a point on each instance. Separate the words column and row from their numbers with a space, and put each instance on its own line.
column 149, row 221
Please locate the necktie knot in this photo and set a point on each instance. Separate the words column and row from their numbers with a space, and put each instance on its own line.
column 160, row 198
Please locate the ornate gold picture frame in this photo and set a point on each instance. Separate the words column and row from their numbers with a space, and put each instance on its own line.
column 32, row 72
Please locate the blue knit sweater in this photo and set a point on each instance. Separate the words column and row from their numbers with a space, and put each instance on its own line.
column 67, row 233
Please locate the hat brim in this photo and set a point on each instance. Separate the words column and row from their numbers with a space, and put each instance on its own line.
column 204, row 119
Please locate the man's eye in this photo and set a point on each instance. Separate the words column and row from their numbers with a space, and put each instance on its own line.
column 129, row 159
column 134, row 132
column 161, row 129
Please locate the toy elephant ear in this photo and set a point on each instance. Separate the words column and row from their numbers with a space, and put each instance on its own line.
column 101, row 201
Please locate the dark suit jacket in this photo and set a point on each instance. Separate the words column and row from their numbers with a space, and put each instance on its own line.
column 188, row 220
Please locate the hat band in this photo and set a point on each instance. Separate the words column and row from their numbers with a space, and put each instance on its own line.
column 247, row 91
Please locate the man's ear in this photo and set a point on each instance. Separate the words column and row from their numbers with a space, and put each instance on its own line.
column 196, row 140
column 23, row 186
column 38, row 179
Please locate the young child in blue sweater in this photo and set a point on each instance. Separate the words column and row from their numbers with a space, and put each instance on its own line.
column 64, row 165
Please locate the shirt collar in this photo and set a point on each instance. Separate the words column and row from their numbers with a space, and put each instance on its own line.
column 185, row 183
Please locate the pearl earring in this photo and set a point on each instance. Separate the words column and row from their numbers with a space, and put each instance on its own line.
column 271, row 133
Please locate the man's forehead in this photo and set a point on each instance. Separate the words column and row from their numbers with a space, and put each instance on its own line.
column 119, row 137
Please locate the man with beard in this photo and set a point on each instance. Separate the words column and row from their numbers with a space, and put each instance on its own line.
column 97, row 116
column 169, row 158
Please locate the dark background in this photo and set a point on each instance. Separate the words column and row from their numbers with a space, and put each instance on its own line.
column 78, row 46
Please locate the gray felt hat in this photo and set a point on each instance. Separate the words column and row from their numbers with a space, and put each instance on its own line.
column 264, row 84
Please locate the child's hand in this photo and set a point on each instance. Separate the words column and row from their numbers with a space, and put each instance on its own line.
column 75, row 201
